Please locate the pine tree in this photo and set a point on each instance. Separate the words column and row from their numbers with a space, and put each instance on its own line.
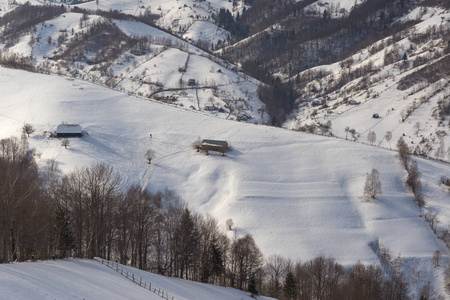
column 66, row 238
column 290, row 286
column 252, row 287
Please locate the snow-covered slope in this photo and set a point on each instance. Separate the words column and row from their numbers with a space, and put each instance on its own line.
column 299, row 195
column 88, row 279
column 410, row 112
column 140, row 59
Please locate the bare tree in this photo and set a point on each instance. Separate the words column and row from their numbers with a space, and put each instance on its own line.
column 275, row 269
column 431, row 219
column 372, row 186
column 246, row 259
column 352, row 131
column 28, row 129
column 65, row 143
column 388, row 137
column 149, row 155
column 436, row 258
column 429, row 293
column 403, row 152
column 197, row 143
column 372, row 137
column 440, row 152
column 229, row 224
column 414, row 184
column 416, row 128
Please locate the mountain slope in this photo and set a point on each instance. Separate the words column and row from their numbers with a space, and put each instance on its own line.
column 300, row 195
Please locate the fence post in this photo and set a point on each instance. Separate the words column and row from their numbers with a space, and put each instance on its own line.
column 132, row 275
column 150, row 286
column 140, row 282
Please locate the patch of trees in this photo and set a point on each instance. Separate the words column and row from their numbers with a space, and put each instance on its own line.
column 297, row 44
column 103, row 38
column 25, row 17
column 444, row 107
column 442, row 3
column 430, row 74
column 413, row 179
column 92, row 212
column 147, row 17
column 323, row 278
column 264, row 13
column 16, row 61
column 226, row 20
column 279, row 99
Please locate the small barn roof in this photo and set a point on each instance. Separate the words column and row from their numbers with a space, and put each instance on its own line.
column 215, row 143
column 68, row 128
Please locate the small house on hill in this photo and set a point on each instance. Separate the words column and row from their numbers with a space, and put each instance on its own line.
column 69, row 130
column 214, row 145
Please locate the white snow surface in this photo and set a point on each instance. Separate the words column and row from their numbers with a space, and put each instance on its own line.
column 88, row 279
column 299, row 195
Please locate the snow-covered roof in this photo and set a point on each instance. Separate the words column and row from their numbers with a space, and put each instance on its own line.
column 68, row 128
column 215, row 143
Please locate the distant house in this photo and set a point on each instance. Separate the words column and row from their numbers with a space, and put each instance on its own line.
column 210, row 107
column 315, row 103
column 214, row 145
column 69, row 130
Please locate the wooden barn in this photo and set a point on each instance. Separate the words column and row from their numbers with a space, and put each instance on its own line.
column 69, row 130
column 214, row 145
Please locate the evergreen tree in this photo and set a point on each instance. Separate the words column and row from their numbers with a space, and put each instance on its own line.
column 290, row 286
column 252, row 287
column 65, row 236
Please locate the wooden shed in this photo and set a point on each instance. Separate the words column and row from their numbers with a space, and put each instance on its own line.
column 69, row 130
column 214, row 145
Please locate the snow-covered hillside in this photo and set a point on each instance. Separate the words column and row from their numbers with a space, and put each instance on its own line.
column 88, row 279
column 382, row 98
column 140, row 59
column 299, row 195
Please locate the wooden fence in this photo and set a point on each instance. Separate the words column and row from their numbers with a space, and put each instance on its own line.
column 146, row 285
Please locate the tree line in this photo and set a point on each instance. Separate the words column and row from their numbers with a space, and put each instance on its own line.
column 92, row 212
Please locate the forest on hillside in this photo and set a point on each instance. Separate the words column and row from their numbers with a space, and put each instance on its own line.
column 289, row 40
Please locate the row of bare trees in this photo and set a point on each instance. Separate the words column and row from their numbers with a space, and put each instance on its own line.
column 323, row 278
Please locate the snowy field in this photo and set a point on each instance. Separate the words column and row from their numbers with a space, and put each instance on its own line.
column 88, row 279
column 299, row 195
